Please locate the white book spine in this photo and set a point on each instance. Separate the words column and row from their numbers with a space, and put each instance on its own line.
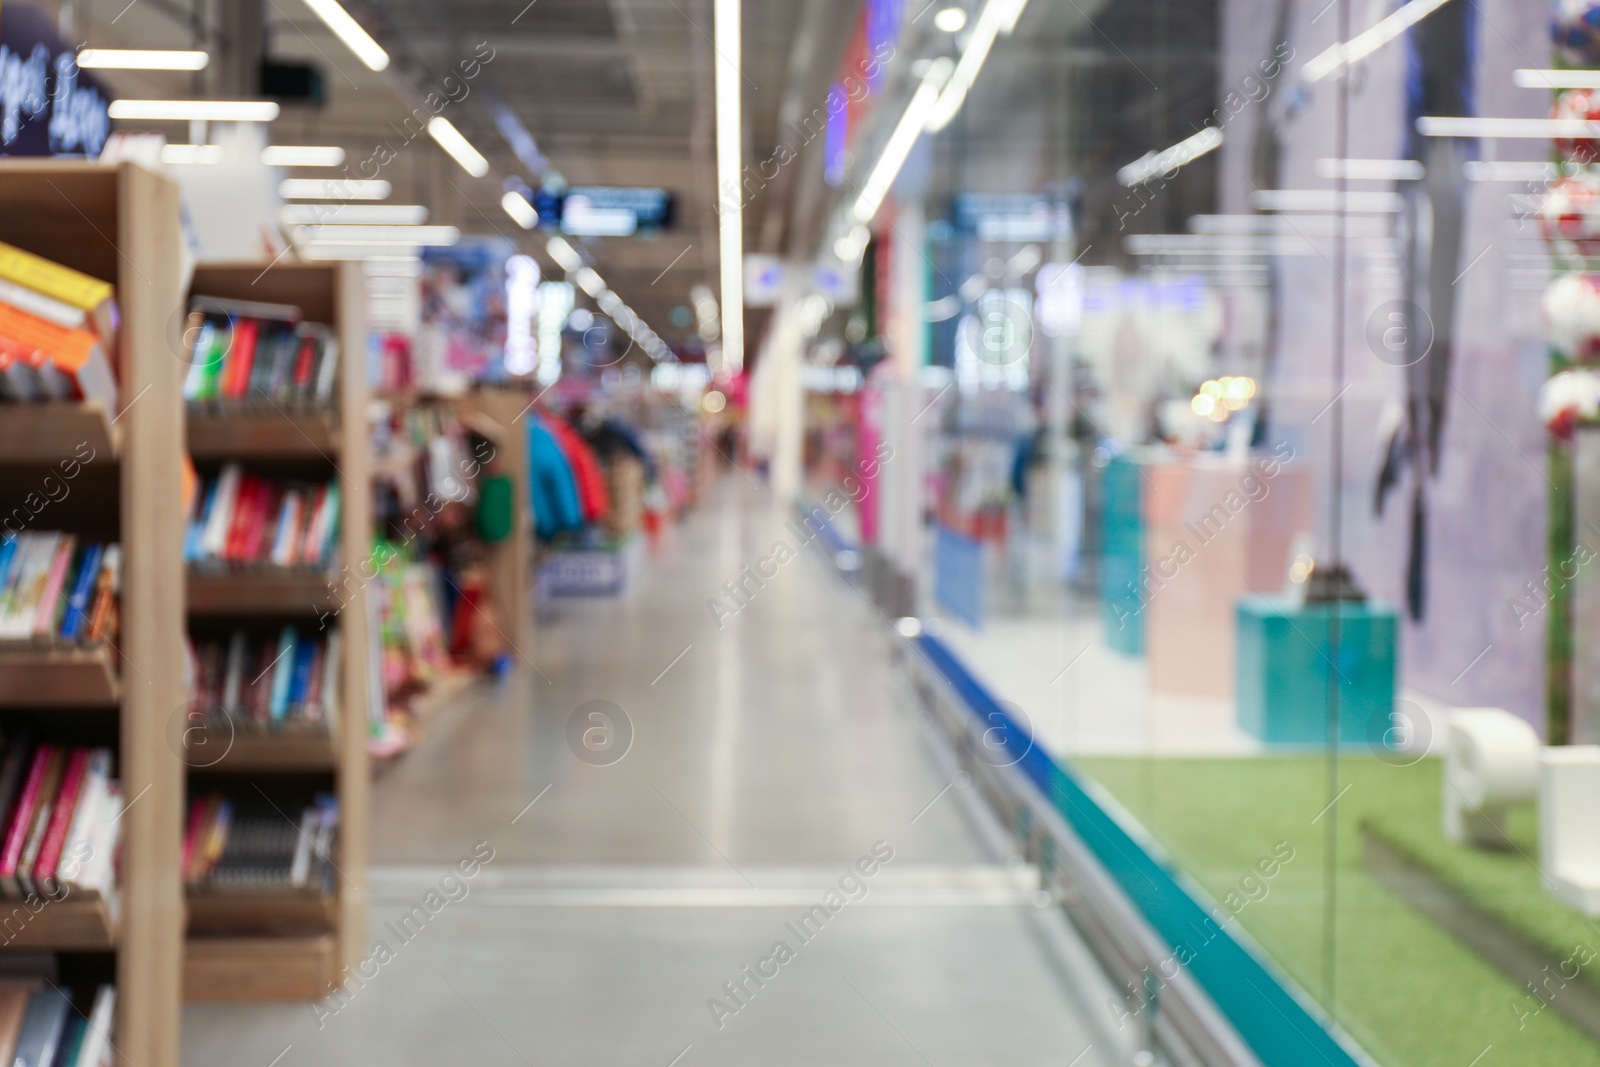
column 221, row 518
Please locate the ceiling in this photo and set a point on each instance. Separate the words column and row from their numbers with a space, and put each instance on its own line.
column 613, row 92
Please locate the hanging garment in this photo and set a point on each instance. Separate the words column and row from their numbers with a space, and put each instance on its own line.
column 552, row 487
column 585, row 469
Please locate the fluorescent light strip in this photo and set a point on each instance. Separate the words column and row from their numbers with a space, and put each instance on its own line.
column 191, row 154
column 387, row 267
column 194, row 110
column 566, row 257
column 348, row 30
column 1531, row 78
column 1168, row 160
column 727, row 45
column 902, row 141
column 353, row 214
column 1541, row 129
column 589, row 281
column 1377, row 170
column 1508, row 171
column 141, row 59
column 333, row 189
column 997, row 17
column 1325, row 200
column 450, row 139
column 282, row 155
column 1364, row 44
column 378, row 235
column 520, row 210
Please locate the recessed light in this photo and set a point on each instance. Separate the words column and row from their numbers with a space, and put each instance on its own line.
column 951, row 20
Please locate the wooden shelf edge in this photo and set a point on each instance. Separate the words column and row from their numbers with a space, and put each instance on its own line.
column 56, row 431
column 247, row 433
column 300, row 967
column 259, row 592
column 59, row 677
column 79, row 923
column 298, row 751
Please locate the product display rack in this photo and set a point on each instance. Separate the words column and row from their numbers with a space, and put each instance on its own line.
column 245, row 946
column 119, row 224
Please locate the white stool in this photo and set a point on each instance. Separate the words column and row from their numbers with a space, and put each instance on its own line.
column 1569, row 837
column 1491, row 763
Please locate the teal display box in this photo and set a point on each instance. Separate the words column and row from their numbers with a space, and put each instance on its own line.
column 1286, row 655
column 1122, row 556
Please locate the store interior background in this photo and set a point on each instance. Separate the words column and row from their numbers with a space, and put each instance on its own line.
column 1224, row 415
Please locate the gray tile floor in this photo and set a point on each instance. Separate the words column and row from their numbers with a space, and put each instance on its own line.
column 767, row 757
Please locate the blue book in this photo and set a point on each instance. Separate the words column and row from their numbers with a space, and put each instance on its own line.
column 304, row 653
column 282, row 672
column 77, row 615
column 42, row 1028
column 8, row 552
column 197, row 528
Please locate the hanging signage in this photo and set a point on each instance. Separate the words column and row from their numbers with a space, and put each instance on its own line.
column 1014, row 216
column 605, row 211
column 48, row 107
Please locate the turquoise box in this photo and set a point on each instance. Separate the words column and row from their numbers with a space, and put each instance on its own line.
column 1286, row 656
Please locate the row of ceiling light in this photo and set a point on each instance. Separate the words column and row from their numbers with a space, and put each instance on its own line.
column 348, row 231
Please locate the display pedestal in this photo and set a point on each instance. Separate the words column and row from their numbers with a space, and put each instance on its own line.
column 1218, row 531
column 1286, row 653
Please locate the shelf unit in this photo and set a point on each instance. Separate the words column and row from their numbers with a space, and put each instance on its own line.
column 242, row 947
column 120, row 224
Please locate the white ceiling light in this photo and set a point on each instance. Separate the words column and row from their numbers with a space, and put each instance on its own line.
column 1509, row 171
column 566, row 257
column 191, row 154
column 1326, row 200
column 728, row 45
column 393, row 267
column 589, row 281
column 902, row 140
column 520, row 210
column 1170, row 159
column 288, row 155
column 332, row 189
column 1338, row 56
column 1378, row 170
column 377, row 235
column 141, row 59
column 195, row 110
column 998, row 17
column 450, row 139
column 951, row 20
column 1540, row 129
column 1529, row 78
column 354, row 214
column 350, row 32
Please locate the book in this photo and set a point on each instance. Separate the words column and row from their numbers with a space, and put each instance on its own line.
column 68, row 364
column 103, row 611
column 88, row 830
column 282, row 672
column 19, row 821
column 61, row 818
column 14, row 997
column 96, row 298
column 46, row 307
column 39, row 819
column 13, row 771
column 53, row 593
column 97, row 1048
column 77, row 614
column 42, row 1027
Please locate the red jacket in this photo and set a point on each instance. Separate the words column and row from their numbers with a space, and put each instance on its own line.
column 585, row 470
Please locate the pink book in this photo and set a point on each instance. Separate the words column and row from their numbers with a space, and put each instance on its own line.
column 44, row 622
column 44, row 868
column 17, row 831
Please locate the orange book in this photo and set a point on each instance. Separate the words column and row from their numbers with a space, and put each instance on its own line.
column 71, row 364
column 95, row 298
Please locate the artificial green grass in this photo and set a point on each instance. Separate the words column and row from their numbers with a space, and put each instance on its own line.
column 1404, row 988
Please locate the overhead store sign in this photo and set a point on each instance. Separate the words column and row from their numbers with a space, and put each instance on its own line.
column 605, row 211
column 1014, row 216
column 48, row 107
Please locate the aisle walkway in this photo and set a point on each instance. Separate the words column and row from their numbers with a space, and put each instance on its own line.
column 633, row 909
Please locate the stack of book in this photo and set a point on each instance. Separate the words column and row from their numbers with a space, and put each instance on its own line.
column 56, row 590
column 245, row 519
column 253, row 847
column 249, row 354
column 40, row 1026
column 58, row 332
column 60, row 808
column 267, row 684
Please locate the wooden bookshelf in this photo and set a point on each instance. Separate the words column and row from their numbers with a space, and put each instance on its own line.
column 247, row 947
column 120, row 224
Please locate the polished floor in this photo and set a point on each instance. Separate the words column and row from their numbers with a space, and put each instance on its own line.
column 749, row 763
